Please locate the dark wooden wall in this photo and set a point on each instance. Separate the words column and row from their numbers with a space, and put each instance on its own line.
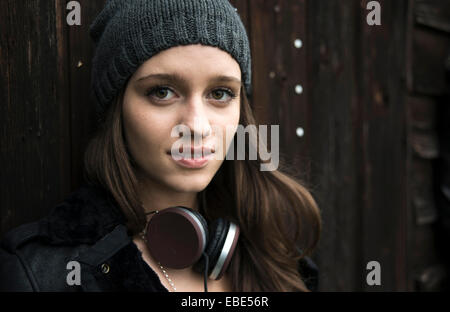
column 358, row 85
column 428, row 116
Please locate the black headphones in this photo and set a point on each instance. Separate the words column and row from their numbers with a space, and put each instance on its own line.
column 178, row 237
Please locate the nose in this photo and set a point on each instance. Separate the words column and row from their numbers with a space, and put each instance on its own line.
column 195, row 117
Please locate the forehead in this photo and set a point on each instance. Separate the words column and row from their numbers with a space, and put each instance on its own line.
column 191, row 61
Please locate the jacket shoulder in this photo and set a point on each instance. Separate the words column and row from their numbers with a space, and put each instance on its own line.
column 13, row 274
column 29, row 263
column 14, row 238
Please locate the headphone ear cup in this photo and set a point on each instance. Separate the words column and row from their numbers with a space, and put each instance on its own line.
column 202, row 221
column 218, row 233
column 177, row 237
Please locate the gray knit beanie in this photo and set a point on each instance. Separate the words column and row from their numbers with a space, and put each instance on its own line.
column 129, row 32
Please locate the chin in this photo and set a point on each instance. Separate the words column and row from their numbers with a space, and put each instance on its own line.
column 188, row 184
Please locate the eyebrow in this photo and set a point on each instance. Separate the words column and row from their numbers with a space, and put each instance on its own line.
column 176, row 78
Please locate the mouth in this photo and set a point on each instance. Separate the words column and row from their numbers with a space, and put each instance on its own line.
column 198, row 158
column 196, row 153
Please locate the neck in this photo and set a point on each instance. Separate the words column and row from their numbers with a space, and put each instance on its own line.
column 155, row 196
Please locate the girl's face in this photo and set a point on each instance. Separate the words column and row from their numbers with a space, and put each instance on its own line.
column 196, row 86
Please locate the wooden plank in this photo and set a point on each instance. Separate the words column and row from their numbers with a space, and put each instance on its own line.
column 425, row 143
column 426, row 75
column 263, row 35
column 383, row 100
column 422, row 192
column 243, row 11
column 82, row 112
column 335, row 127
column 34, row 138
column 421, row 112
column 430, row 52
column 410, row 222
column 423, row 257
column 62, row 130
column 278, row 67
column 433, row 13
column 441, row 172
column 409, row 45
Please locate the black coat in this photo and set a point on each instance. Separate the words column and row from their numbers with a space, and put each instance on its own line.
column 88, row 228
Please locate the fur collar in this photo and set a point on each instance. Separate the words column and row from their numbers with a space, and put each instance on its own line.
column 84, row 217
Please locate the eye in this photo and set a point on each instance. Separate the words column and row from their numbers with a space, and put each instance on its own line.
column 219, row 94
column 161, row 93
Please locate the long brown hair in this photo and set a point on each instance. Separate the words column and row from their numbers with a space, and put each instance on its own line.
column 276, row 213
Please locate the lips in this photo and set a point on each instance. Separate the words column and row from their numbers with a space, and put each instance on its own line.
column 197, row 152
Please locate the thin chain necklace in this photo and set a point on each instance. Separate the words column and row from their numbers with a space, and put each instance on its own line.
column 143, row 236
column 167, row 277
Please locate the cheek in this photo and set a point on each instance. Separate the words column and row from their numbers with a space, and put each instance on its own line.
column 145, row 132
